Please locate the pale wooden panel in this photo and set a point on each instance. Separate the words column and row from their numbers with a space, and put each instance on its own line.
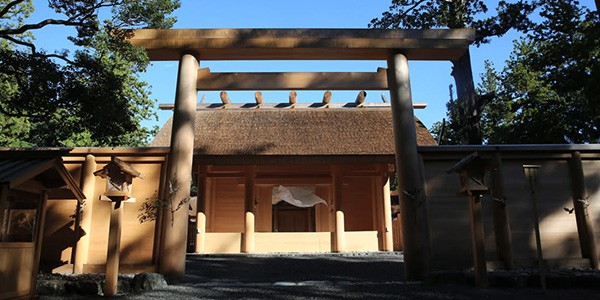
column 292, row 242
column 100, row 223
column 357, row 203
column 558, row 229
column 227, row 205
column 59, row 234
column 361, row 241
column 16, row 264
column 223, row 242
column 449, row 220
column 591, row 170
column 137, row 239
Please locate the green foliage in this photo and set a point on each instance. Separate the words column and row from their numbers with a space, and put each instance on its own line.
column 550, row 86
column 91, row 97
column 424, row 14
column 465, row 112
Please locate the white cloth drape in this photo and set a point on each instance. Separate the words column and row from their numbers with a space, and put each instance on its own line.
column 297, row 196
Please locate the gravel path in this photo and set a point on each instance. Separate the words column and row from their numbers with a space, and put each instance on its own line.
column 330, row 276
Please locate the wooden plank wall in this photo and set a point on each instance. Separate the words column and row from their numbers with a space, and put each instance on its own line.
column 226, row 208
column 137, row 239
column 591, row 170
column 450, row 222
column 16, row 263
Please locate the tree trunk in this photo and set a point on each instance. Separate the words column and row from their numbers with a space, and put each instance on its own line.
column 468, row 101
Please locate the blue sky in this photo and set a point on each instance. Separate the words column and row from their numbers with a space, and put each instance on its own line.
column 429, row 80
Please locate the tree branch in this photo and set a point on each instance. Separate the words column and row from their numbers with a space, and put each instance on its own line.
column 20, row 42
column 41, row 24
column 411, row 8
column 9, row 6
column 61, row 57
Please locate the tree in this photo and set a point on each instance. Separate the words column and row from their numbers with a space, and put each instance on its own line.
column 424, row 14
column 550, row 87
column 91, row 96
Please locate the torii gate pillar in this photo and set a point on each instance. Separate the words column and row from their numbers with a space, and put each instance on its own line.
column 171, row 262
column 411, row 183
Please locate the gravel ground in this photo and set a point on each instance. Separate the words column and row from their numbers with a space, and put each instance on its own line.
column 331, row 276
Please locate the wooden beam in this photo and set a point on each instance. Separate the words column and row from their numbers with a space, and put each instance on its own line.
column 327, row 97
column 84, row 216
column 208, row 81
column 336, row 105
column 585, row 228
column 411, row 185
column 388, row 244
column 38, row 238
column 501, row 220
column 293, row 97
column 303, row 44
column 340, row 232
column 171, row 261
column 532, row 181
column 114, row 249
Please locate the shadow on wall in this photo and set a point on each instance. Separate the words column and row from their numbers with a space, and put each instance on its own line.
column 560, row 241
column 592, row 183
column 58, row 245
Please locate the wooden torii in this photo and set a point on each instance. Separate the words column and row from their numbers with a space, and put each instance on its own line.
column 188, row 46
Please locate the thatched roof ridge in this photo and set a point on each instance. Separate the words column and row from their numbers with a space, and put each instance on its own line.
column 294, row 132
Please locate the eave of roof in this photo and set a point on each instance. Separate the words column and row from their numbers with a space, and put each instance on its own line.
column 294, row 132
column 17, row 166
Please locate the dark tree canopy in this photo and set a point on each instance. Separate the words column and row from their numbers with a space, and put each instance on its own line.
column 549, row 90
column 465, row 112
column 91, row 96
column 425, row 14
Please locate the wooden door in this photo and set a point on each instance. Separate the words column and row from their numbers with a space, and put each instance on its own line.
column 289, row 218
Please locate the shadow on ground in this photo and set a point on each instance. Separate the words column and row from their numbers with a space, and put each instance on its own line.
column 296, row 268
column 331, row 276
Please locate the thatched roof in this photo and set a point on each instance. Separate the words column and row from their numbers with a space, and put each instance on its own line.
column 358, row 131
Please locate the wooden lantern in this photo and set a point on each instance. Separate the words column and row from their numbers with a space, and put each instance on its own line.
column 119, row 179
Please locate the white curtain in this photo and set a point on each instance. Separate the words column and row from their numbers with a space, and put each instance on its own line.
column 297, row 196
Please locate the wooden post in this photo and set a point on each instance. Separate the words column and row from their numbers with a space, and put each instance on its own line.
column 38, row 238
column 585, row 228
column 477, row 235
column 336, row 202
column 83, row 226
column 249, row 233
column 201, row 229
column 340, row 232
column 501, row 221
column 114, row 248
column 413, row 202
column 531, row 176
column 388, row 244
column 249, row 189
column 175, row 218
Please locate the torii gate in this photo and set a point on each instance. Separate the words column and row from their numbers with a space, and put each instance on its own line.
column 395, row 46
